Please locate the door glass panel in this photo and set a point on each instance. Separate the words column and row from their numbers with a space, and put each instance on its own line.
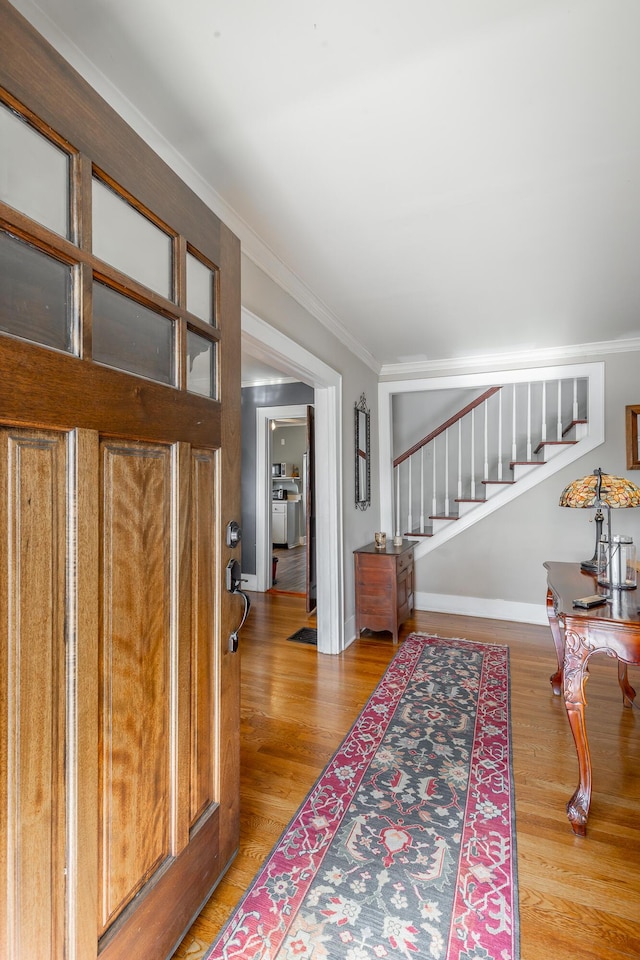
column 200, row 289
column 129, row 241
column 34, row 173
column 201, row 372
column 35, row 295
column 131, row 337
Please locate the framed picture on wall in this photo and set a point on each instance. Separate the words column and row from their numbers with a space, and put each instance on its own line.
column 633, row 452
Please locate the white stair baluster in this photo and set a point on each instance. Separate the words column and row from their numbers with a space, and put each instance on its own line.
column 446, row 472
column 410, row 502
column 529, row 451
column 473, row 454
column 421, row 489
column 460, row 458
column 434, row 492
column 514, row 437
column 500, row 435
column 486, row 442
column 575, row 398
column 543, row 427
column 559, row 428
column 397, row 524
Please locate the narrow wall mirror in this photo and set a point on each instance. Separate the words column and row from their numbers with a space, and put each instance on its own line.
column 363, row 471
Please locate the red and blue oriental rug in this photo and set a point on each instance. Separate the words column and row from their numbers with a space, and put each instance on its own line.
column 405, row 846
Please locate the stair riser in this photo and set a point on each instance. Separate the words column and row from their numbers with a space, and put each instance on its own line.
column 521, row 470
column 438, row 525
column 493, row 490
column 465, row 508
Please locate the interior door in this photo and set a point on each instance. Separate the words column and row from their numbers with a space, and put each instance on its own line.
column 311, row 558
column 119, row 472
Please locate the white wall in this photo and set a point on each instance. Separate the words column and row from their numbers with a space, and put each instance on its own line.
column 288, row 444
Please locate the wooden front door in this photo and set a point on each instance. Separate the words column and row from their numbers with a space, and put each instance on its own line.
column 119, row 472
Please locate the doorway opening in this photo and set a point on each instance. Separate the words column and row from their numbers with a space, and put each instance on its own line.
column 266, row 343
column 291, row 486
column 286, row 498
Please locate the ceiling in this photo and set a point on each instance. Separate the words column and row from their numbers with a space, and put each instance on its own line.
column 434, row 179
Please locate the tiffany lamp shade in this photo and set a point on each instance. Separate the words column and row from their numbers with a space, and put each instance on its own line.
column 600, row 490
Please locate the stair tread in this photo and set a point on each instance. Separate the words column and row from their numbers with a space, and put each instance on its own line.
column 527, row 463
column 574, row 423
column 469, row 500
column 555, row 443
column 502, row 482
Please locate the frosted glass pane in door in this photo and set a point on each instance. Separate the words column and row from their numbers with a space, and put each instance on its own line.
column 200, row 289
column 129, row 241
column 35, row 295
column 131, row 337
column 201, row 356
column 34, row 173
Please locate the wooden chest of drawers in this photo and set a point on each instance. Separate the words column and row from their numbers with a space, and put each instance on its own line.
column 384, row 587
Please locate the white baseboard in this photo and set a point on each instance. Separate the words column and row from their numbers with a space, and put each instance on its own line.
column 481, row 607
column 250, row 582
column 349, row 631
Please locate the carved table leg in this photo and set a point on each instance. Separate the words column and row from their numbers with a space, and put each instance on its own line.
column 574, row 681
column 628, row 693
column 556, row 678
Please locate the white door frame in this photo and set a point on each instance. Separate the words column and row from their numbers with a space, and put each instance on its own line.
column 268, row 344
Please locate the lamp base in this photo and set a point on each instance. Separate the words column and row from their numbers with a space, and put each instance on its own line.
column 591, row 566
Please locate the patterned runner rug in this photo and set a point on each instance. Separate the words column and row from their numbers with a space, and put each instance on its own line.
column 405, row 846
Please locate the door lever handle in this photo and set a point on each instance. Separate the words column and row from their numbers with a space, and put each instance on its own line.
column 233, row 579
column 233, row 638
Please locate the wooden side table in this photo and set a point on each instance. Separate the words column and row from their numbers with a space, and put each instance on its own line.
column 578, row 634
column 384, row 586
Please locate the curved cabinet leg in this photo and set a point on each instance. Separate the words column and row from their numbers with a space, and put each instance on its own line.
column 574, row 681
column 558, row 640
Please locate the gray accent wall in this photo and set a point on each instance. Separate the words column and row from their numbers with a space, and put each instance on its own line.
column 273, row 395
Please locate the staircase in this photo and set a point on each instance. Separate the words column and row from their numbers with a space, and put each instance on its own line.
column 510, row 437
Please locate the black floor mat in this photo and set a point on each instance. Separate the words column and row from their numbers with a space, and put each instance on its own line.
column 305, row 635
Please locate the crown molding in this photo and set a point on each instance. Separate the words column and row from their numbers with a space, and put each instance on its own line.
column 276, row 381
column 251, row 243
column 504, row 360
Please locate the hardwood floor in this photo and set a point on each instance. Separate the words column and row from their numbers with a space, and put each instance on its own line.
column 579, row 897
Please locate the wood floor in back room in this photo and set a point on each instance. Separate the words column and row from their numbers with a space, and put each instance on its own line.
column 291, row 569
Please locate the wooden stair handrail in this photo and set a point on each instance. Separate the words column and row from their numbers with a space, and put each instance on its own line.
column 445, row 426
